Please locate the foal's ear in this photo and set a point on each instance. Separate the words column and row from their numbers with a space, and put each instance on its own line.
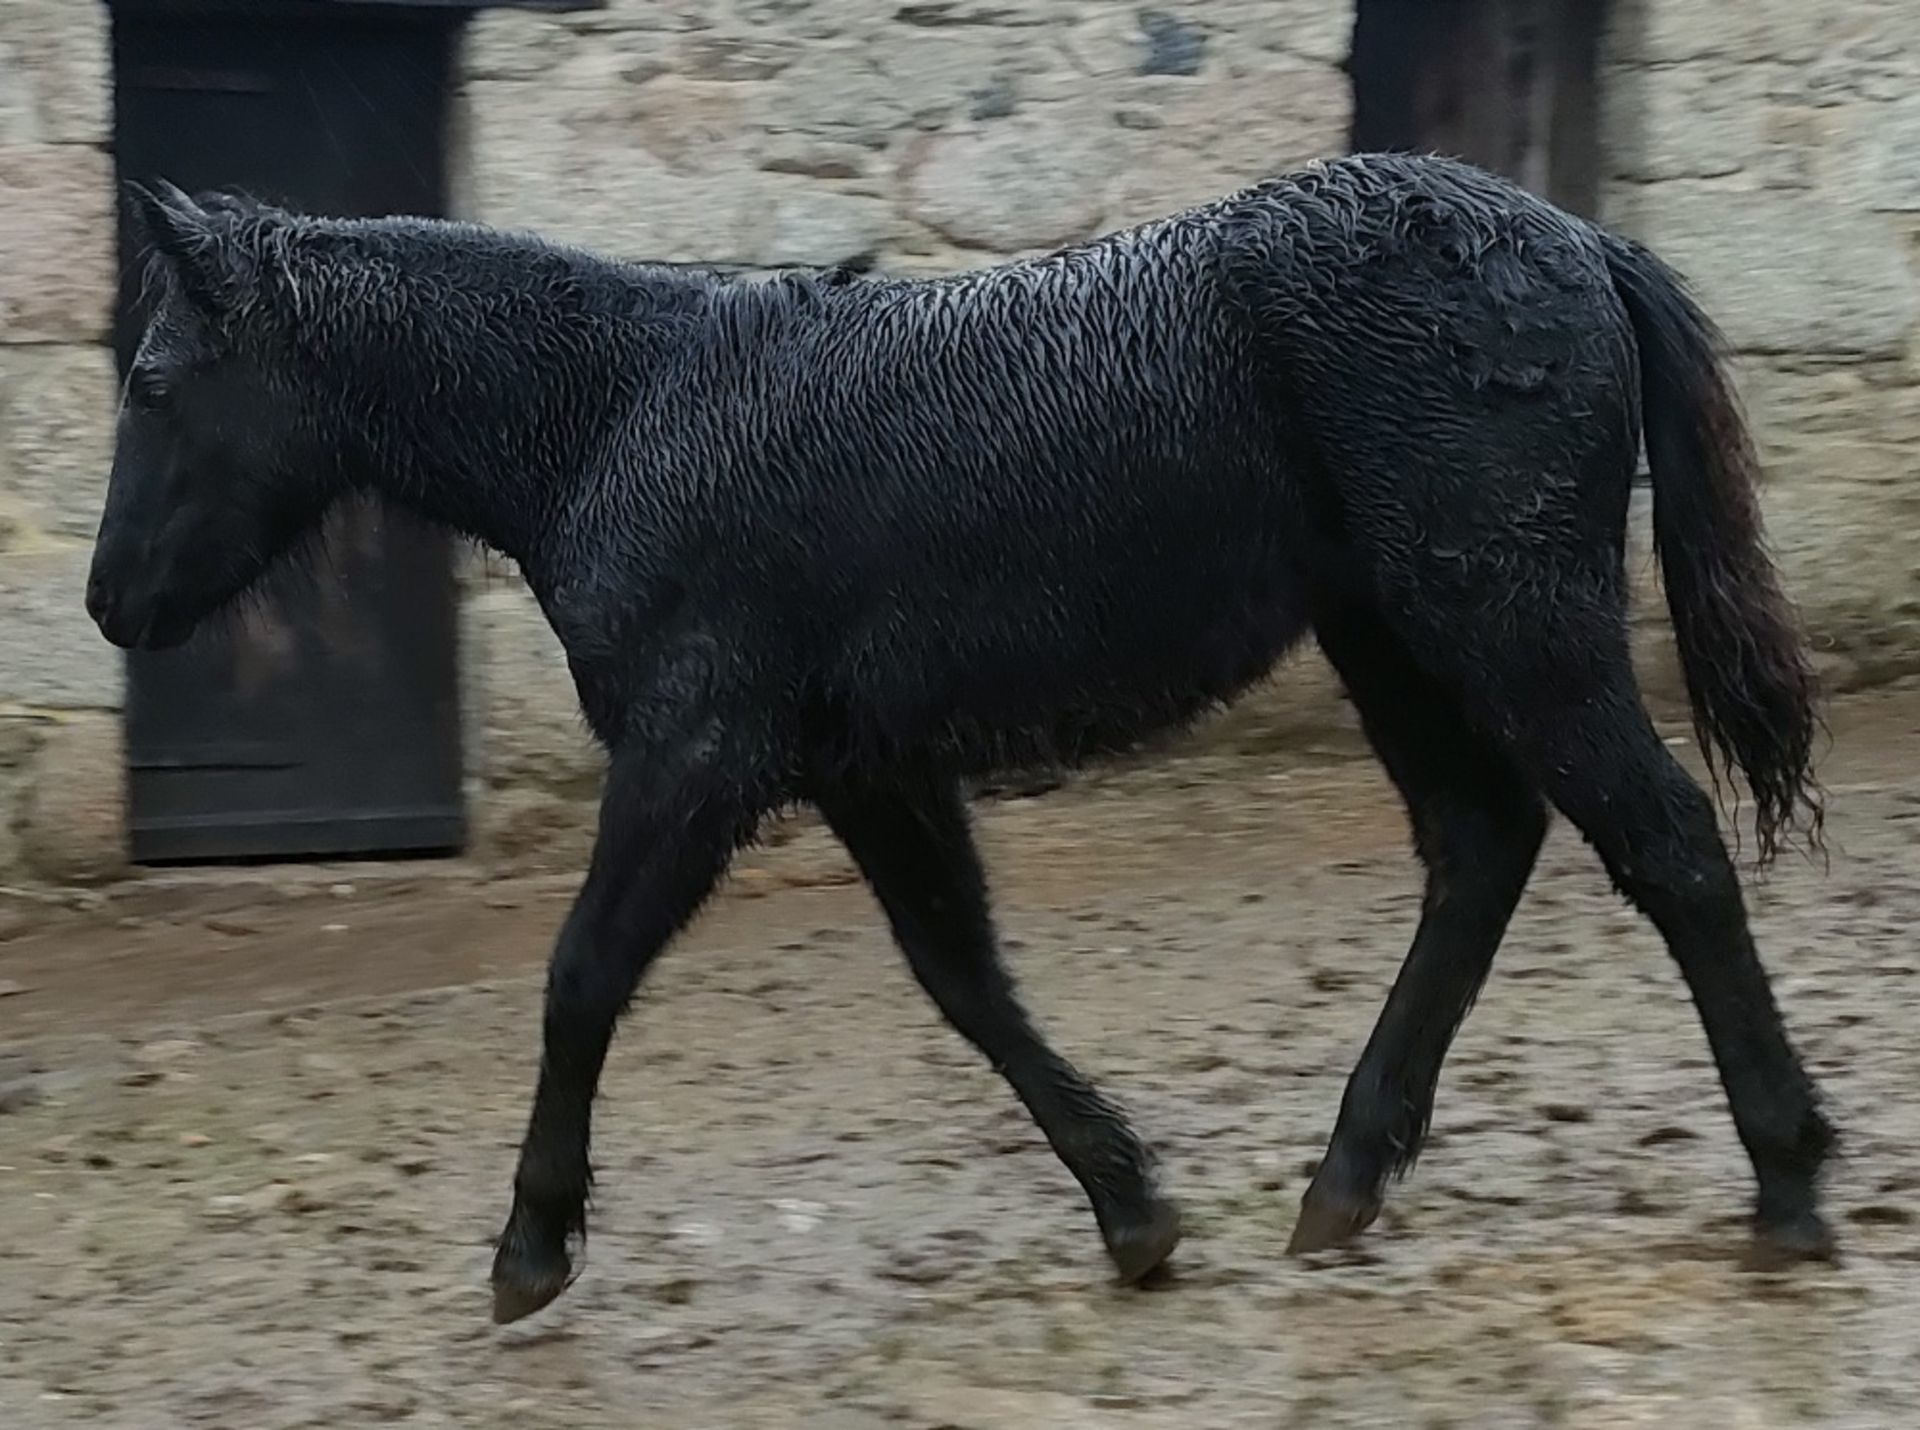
column 191, row 241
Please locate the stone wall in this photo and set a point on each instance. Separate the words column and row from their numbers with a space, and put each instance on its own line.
column 1771, row 150
column 59, row 682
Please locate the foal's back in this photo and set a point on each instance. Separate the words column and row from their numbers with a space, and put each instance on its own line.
column 1038, row 509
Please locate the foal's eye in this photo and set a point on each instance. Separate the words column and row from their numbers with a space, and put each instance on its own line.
column 147, row 389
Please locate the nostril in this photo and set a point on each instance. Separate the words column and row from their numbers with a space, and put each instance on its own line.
column 99, row 602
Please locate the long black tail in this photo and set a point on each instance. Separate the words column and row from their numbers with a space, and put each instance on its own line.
column 1747, row 667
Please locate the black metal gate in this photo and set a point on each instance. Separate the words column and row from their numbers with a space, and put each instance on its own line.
column 326, row 721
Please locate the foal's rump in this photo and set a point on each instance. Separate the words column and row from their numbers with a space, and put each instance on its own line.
column 1473, row 368
column 1449, row 342
column 1462, row 372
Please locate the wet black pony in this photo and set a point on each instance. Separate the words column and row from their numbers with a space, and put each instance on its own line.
column 849, row 541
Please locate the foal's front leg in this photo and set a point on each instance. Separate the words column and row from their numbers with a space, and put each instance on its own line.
column 917, row 852
column 667, row 831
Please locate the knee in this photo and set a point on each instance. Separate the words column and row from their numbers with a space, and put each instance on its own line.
column 584, row 986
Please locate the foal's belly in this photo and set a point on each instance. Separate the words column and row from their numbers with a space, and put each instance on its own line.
column 1057, row 678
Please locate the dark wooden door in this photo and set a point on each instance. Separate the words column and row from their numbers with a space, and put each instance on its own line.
column 325, row 720
column 1510, row 85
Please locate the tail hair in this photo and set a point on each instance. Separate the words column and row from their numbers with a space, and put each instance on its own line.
column 1748, row 669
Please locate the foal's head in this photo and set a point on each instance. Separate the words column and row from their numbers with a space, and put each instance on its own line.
column 220, row 463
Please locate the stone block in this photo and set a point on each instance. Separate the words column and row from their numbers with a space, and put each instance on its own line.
column 1316, row 30
column 1798, row 403
column 663, row 16
column 1116, row 40
column 838, row 91
column 18, row 529
column 689, row 125
column 1861, row 61
column 1785, row 274
column 1835, row 440
column 1875, row 158
column 574, row 168
column 56, row 432
column 735, row 58
column 1028, row 182
column 56, row 243
column 534, row 772
column 55, row 87
column 527, row 727
column 811, row 19
column 51, row 654
column 1830, row 507
column 510, row 44
column 817, row 225
column 943, row 76
column 1201, row 141
column 72, row 820
column 1685, row 121
column 528, row 44
column 1107, row 46
column 1662, row 32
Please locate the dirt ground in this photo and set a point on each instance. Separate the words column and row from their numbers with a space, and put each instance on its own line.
column 256, row 1133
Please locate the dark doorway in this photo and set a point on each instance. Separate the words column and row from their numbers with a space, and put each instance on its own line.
column 326, row 721
column 1511, row 85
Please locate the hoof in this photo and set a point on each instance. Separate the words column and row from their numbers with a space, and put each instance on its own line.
column 1141, row 1247
column 524, row 1280
column 1779, row 1245
column 1328, row 1220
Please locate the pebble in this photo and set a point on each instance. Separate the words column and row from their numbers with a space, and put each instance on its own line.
column 275, row 1196
column 231, row 1210
column 298, row 1199
column 798, row 1216
column 166, row 1050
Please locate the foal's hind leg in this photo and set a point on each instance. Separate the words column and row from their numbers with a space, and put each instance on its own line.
column 1598, row 757
column 917, row 853
column 1477, row 825
column 1546, row 671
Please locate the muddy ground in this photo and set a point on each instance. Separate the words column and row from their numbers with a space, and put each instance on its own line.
column 258, row 1130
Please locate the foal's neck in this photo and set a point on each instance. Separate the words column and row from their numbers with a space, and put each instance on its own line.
column 496, row 375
